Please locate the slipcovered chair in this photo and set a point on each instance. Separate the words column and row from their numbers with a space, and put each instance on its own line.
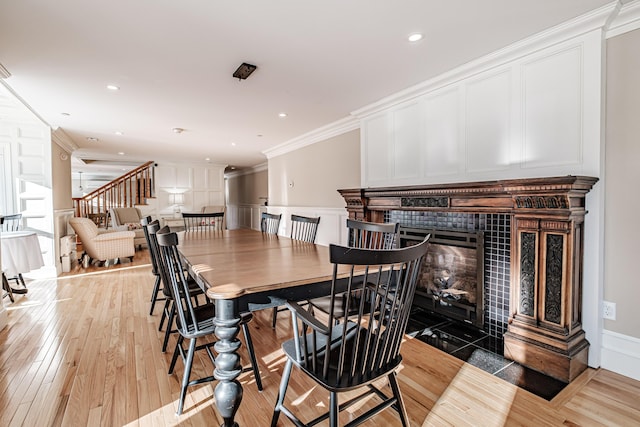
column 129, row 219
column 103, row 246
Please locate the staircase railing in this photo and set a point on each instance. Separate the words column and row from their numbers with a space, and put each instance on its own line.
column 132, row 188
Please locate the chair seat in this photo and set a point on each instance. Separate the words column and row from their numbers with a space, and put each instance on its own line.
column 340, row 308
column 346, row 381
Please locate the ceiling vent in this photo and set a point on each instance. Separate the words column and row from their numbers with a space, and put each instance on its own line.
column 244, row 71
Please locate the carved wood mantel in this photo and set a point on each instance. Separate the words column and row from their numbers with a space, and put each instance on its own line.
column 545, row 326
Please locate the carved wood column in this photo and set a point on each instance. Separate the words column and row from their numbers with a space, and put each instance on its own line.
column 545, row 328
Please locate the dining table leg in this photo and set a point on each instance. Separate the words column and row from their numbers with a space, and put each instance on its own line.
column 228, row 391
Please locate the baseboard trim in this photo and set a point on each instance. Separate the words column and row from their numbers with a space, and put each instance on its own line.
column 621, row 354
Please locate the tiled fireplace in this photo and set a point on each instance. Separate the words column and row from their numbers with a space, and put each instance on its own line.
column 533, row 244
column 492, row 232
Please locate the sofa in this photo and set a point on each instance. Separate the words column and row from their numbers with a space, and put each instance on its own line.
column 128, row 219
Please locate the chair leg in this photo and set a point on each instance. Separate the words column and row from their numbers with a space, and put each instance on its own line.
column 167, row 332
column 7, row 287
column 402, row 410
column 154, row 294
column 333, row 409
column 176, row 352
column 282, row 390
column 187, row 374
column 21, row 280
column 274, row 317
column 252, row 356
column 165, row 310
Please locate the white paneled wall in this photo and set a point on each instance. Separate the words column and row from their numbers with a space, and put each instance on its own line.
column 530, row 116
column 198, row 186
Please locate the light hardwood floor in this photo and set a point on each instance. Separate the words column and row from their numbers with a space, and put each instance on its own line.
column 83, row 350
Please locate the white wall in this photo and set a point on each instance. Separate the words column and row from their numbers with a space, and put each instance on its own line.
column 621, row 337
column 305, row 182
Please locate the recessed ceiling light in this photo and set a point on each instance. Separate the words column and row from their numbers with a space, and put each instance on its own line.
column 207, row 159
column 282, row 115
column 233, row 144
column 92, row 139
column 65, row 114
column 177, row 130
column 119, row 133
column 415, row 37
column 113, row 87
column 259, row 135
column 121, row 153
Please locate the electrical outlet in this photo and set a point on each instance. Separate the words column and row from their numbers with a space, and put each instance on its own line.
column 609, row 310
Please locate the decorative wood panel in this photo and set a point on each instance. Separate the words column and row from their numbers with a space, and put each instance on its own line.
column 527, row 296
column 554, row 278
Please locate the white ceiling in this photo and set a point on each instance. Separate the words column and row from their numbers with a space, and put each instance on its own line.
column 173, row 61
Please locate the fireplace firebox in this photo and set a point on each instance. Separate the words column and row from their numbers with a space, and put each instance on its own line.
column 452, row 276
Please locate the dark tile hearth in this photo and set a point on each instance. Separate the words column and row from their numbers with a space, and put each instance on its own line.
column 479, row 349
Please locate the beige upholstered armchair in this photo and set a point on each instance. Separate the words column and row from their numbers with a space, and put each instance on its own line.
column 129, row 219
column 103, row 246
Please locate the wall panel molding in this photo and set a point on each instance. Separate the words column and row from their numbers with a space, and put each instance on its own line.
column 539, row 115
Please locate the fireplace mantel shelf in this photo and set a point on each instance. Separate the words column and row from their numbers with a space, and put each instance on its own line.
column 545, row 327
column 562, row 195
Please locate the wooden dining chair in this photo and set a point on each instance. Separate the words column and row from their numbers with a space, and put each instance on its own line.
column 201, row 221
column 303, row 229
column 146, row 222
column 372, row 235
column 193, row 322
column 12, row 222
column 270, row 223
column 362, row 235
column 354, row 352
column 169, row 310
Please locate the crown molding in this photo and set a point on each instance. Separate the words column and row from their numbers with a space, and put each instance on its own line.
column 60, row 137
column 627, row 19
column 336, row 128
column 581, row 25
column 248, row 171
column 4, row 73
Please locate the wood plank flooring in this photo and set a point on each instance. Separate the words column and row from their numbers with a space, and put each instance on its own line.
column 82, row 350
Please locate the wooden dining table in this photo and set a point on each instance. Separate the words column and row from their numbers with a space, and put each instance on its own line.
column 244, row 270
